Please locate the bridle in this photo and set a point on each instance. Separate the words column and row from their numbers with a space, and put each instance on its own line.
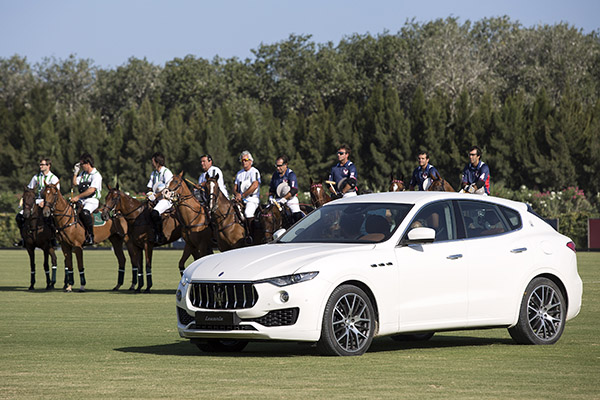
column 180, row 200
column 214, row 214
column 317, row 188
column 397, row 185
column 61, row 213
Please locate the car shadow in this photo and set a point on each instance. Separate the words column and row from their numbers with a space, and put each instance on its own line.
column 293, row 349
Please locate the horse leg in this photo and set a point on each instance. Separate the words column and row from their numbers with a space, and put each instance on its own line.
column 136, row 255
column 47, row 267
column 148, row 255
column 187, row 250
column 52, row 253
column 117, row 244
column 67, row 252
column 148, row 270
column 31, row 252
column 80, row 267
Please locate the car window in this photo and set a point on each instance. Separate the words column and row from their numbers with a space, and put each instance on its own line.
column 348, row 223
column 513, row 218
column 440, row 217
column 482, row 219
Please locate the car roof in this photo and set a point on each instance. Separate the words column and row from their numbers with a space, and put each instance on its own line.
column 422, row 197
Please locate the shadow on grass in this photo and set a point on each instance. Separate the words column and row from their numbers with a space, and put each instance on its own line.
column 292, row 349
column 42, row 289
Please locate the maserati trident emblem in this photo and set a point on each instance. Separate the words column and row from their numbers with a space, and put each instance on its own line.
column 219, row 296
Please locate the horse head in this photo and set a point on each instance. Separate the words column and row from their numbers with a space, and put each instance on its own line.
column 212, row 190
column 396, row 185
column 51, row 196
column 28, row 201
column 271, row 220
column 111, row 202
column 175, row 189
column 438, row 184
column 318, row 195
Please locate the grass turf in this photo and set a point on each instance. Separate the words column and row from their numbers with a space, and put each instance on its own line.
column 104, row 344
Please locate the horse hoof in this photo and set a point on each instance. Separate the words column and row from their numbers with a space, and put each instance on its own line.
column 50, row 286
column 131, row 288
column 31, row 288
column 81, row 289
column 147, row 290
column 68, row 289
column 116, row 288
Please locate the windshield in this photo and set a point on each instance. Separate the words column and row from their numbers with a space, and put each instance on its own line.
column 348, row 223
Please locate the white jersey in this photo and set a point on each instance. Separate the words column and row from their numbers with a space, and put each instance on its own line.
column 244, row 179
column 212, row 171
column 159, row 179
column 94, row 179
column 40, row 181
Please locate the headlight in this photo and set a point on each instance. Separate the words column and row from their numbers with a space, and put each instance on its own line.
column 290, row 279
column 184, row 280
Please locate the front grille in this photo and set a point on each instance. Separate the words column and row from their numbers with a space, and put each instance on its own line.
column 223, row 327
column 223, row 295
column 184, row 317
column 285, row 317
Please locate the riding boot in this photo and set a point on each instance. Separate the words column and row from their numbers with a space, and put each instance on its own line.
column 297, row 216
column 249, row 230
column 20, row 222
column 49, row 221
column 159, row 236
column 88, row 223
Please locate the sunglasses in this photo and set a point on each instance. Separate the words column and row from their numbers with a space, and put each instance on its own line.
column 43, row 164
column 279, row 165
column 472, row 154
column 245, row 159
column 341, row 153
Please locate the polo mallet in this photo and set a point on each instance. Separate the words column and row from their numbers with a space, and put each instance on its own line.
column 332, row 186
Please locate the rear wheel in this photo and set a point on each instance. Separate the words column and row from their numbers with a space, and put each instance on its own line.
column 348, row 323
column 221, row 345
column 542, row 314
column 415, row 337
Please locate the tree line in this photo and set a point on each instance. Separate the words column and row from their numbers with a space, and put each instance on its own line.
column 529, row 96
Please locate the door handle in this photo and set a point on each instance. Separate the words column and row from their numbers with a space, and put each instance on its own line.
column 454, row 257
column 519, row 250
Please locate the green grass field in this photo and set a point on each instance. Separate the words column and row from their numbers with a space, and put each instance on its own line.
column 104, row 344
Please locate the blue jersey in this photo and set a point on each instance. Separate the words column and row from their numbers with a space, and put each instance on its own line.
column 339, row 172
column 420, row 175
column 288, row 177
column 473, row 174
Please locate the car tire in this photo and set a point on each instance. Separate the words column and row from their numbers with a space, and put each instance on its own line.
column 542, row 314
column 349, row 323
column 221, row 345
column 415, row 337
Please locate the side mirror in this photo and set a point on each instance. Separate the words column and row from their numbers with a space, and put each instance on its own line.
column 278, row 234
column 421, row 235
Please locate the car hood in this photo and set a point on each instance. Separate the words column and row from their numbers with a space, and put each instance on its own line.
column 268, row 261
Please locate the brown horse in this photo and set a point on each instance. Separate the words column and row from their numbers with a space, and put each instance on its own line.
column 140, row 234
column 224, row 217
column 271, row 219
column 71, row 233
column 37, row 233
column 439, row 185
column 192, row 216
column 396, row 185
column 318, row 194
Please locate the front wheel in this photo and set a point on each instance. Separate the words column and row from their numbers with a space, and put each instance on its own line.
column 221, row 345
column 542, row 314
column 348, row 323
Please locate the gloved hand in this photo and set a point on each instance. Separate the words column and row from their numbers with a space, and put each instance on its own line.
column 282, row 201
column 76, row 169
column 471, row 188
column 151, row 196
column 336, row 196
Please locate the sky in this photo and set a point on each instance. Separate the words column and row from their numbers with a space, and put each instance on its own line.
column 109, row 32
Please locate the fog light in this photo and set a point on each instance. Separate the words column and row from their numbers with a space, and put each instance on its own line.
column 284, row 296
column 178, row 295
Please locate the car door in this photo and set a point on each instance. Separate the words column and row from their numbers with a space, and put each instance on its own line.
column 497, row 251
column 433, row 276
